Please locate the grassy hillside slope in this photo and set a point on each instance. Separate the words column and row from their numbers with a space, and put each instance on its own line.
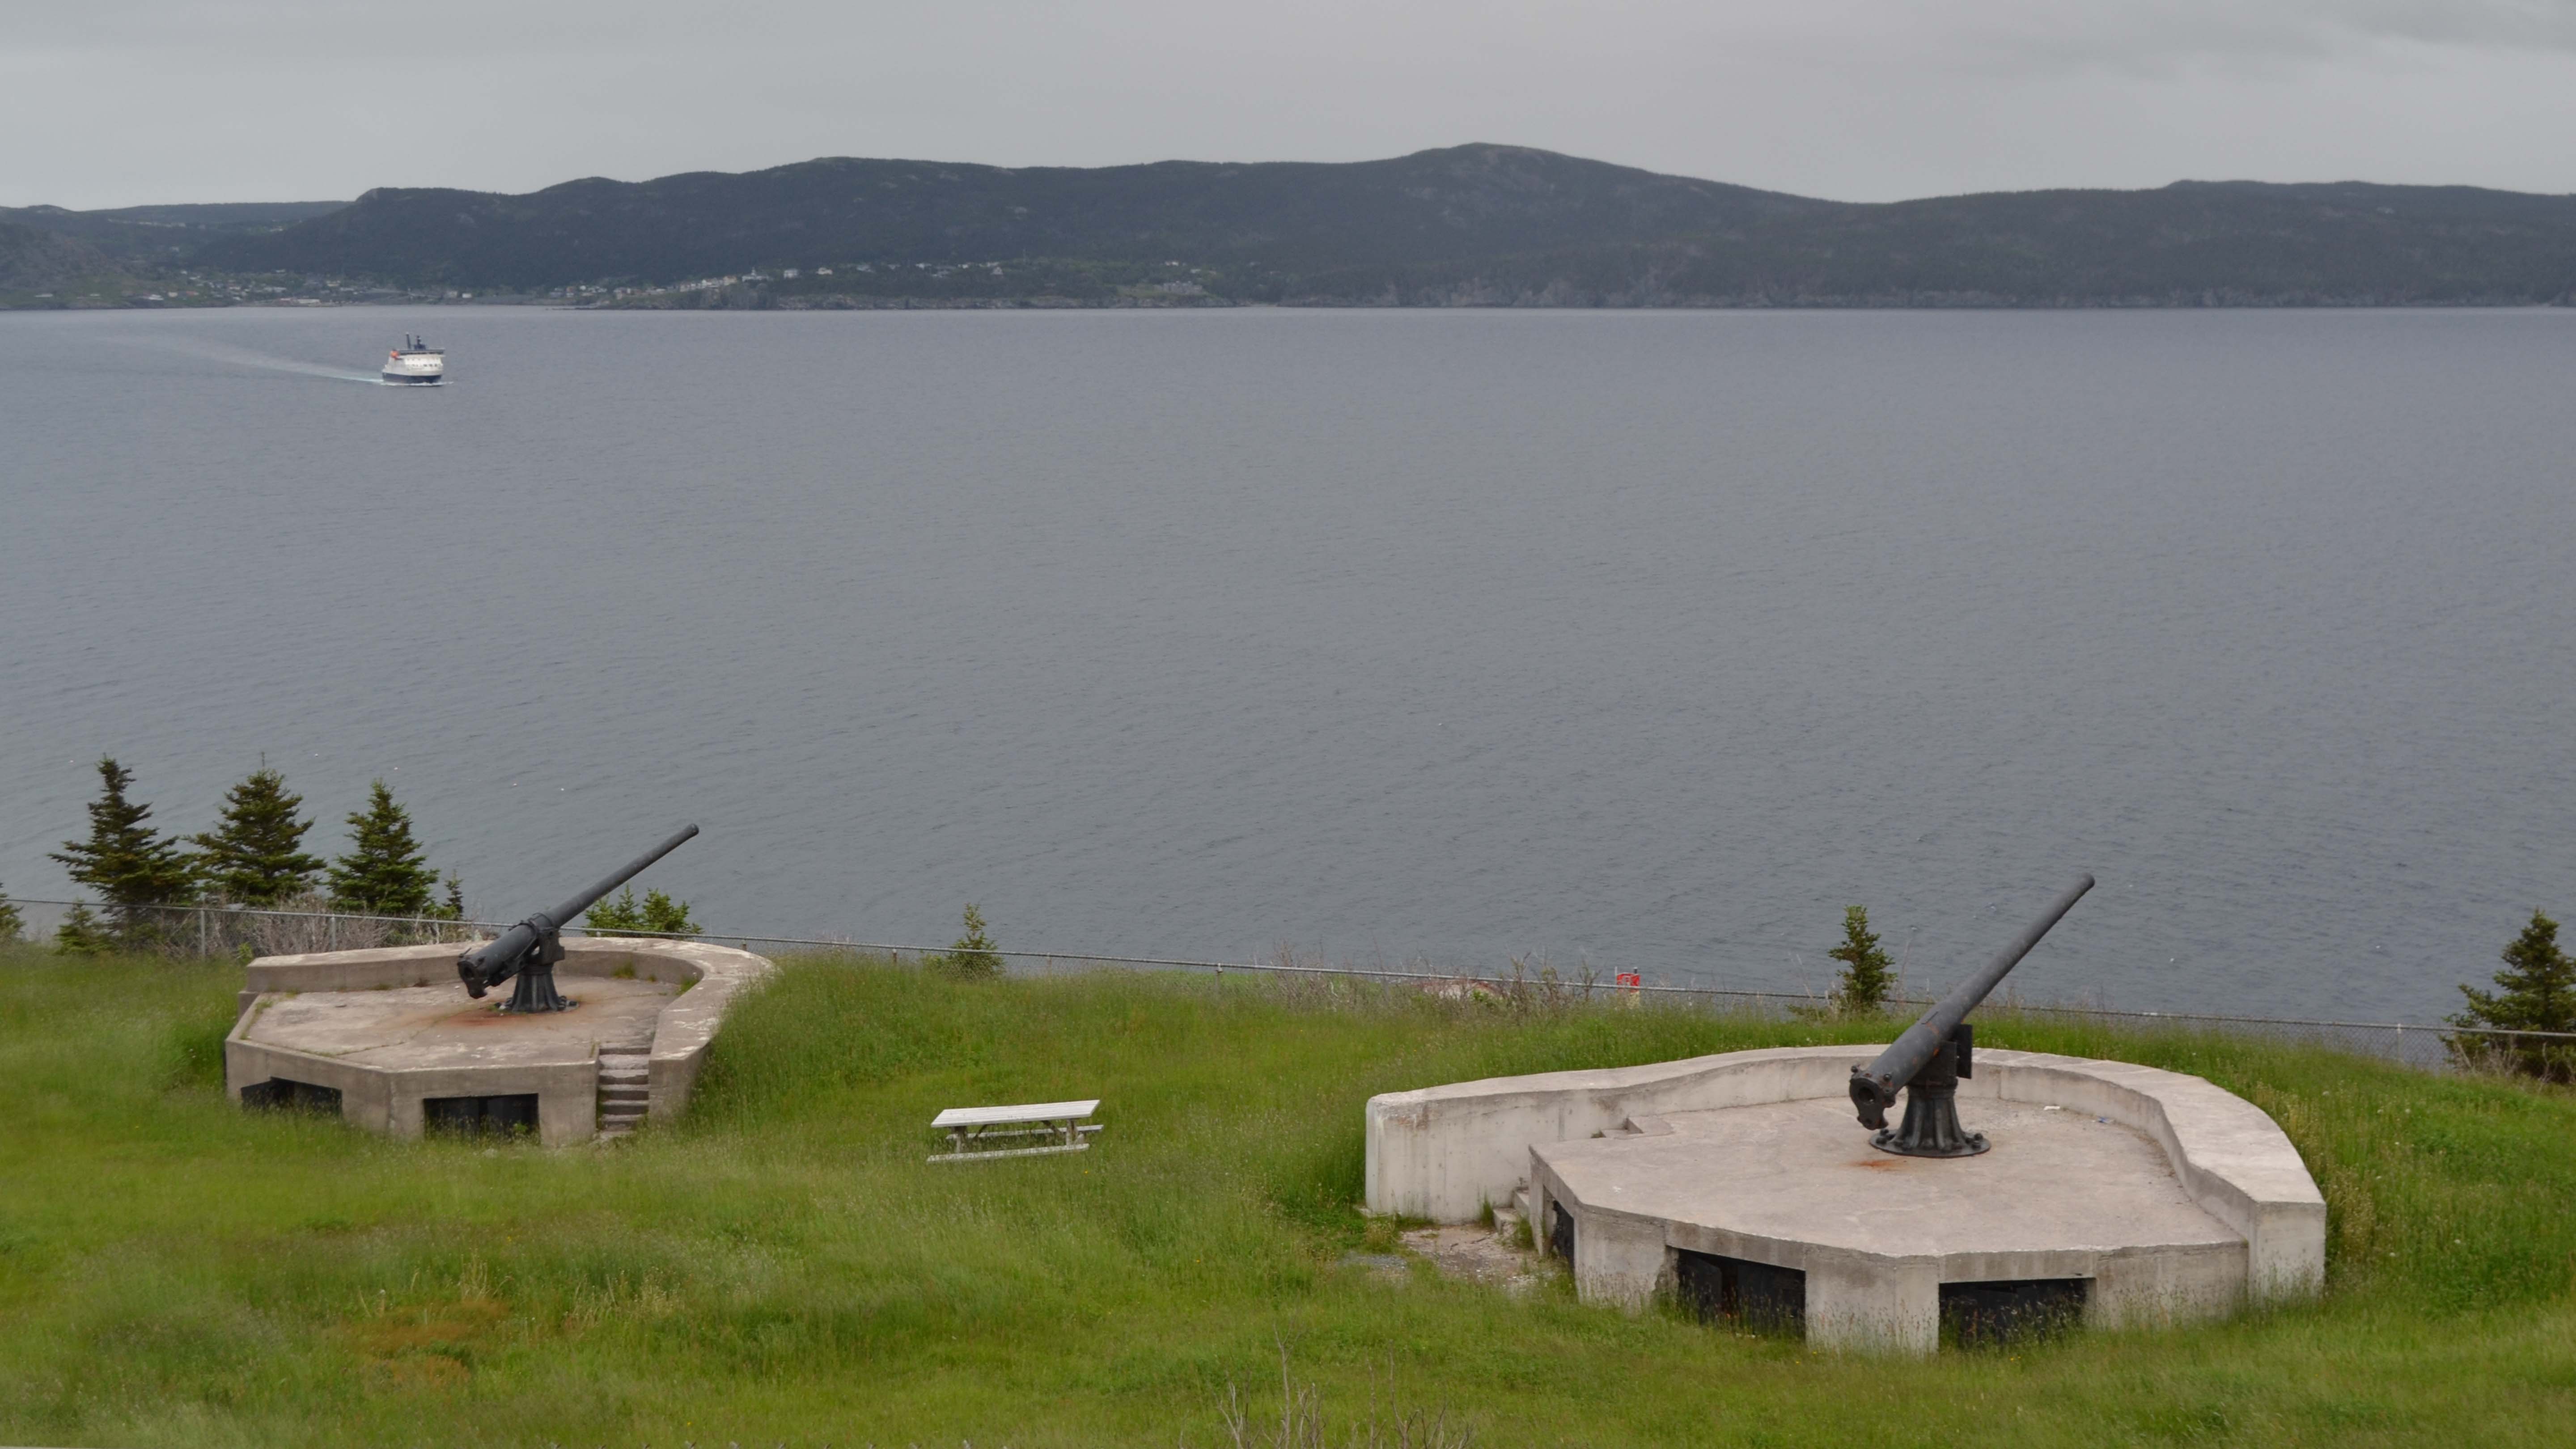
column 783, row 1268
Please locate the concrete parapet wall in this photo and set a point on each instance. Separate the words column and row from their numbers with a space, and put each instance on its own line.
column 2232, row 1158
column 688, row 1024
column 1451, row 1151
column 1445, row 1152
column 435, row 964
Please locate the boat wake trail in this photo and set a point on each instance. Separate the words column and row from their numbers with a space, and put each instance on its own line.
column 244, row 357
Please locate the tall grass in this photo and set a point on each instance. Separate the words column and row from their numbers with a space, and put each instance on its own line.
column 784, row 1267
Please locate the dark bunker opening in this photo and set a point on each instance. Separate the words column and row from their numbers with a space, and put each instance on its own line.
column 1757, row 1296
column 1560, row 1232
column 1981, row 1315
column 480, row 1116
column 280, row 1094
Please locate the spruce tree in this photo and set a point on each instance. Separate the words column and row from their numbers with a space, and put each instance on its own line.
column 973, row 956
column 2536, row 991
column 253, row 856
column 126, row 861
column 12, row 924
column 667, row 916
column 82, row 934
column 1868, row 976
column 385, row 872
column 618, row 916
column 656, row 914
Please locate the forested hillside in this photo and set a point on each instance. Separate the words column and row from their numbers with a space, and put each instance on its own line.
column 34, row 261
column 1466, row 226
column 1284, row 219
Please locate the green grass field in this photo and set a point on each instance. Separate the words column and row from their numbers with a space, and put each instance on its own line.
column 784, row 1269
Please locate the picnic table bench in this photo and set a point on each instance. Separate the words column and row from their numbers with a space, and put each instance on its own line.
column 1059, row 1126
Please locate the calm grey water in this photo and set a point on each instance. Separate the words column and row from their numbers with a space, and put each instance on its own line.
column 1642, row 640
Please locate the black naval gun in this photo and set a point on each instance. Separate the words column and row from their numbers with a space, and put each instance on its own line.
column 1936, row 1051
column 530, row 949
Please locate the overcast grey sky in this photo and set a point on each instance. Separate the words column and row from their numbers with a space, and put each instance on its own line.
column 117, row 102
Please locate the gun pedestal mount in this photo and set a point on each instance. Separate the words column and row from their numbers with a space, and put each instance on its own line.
column 530, row 949
column 1935, row 1052
column 1931, row 1126
column 535, row 991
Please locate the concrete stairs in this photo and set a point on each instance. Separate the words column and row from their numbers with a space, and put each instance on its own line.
column 625, row 1089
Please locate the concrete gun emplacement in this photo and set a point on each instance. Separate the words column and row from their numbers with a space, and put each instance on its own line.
column 530, row 949
column 1936, row 1051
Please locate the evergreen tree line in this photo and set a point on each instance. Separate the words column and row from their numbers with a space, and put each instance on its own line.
column 655, row 915
column 254, row 856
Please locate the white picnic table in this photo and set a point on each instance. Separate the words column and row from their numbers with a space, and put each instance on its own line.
column 1060, row 1125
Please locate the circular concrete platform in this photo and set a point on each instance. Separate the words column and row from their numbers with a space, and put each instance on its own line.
column 2119, row 1193
column 389, row 1039
column 2063, row 1197
column 402, row 1028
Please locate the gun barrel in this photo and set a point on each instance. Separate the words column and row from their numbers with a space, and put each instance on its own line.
column 1908, row 1053
column 497, row 960
column 564, row 914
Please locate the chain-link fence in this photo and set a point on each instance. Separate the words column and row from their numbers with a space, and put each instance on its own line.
column 234, row 931
column 2431, row 1047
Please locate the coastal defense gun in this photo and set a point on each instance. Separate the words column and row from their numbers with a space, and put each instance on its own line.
column 530, row 949
column 1936, row 1051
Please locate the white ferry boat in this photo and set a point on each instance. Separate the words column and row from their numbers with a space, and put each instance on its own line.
column 417, row 362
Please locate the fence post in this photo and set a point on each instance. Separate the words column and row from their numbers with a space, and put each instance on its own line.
column 333, row 928
column 201, row 932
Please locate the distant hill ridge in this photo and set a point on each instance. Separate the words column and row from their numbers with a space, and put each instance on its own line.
column 46, row 250
column 1466, row 225
column 1287, row 216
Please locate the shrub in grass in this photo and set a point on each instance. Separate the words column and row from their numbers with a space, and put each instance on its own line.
column 82, row 933
column 972, row 958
